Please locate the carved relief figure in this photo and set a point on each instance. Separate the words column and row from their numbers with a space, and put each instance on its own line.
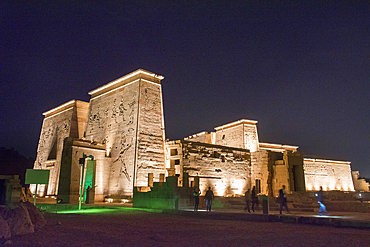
column 123, row 170
column 126, row 143
column 114, row 111
column 45, row 135
column 151, row 99
column 122, row 109
column 132, row 110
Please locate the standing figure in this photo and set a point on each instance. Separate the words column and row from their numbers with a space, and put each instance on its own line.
column 320, row 201
column 88, row 194
column 254, row 198
column 196, row 199
column 209, row 197
column 283, row 200
column 247, row 200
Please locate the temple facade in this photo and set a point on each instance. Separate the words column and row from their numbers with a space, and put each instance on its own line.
column 217, row 159
column 116, row 143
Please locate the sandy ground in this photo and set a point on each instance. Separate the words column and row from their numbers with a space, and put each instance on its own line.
column 140, row 228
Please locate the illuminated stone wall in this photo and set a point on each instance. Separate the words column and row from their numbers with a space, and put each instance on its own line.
column 67, row 120
column 203, row 137
column 259, row 168
column 232, row 137
column 127, row 116
column 123, row 128
column 272, row 165
column 70, row 172
column 227, row 170
column 275, row 168
column 359, row 183
column 112, row 121
column 124, row 117
column 239, row 134
column 331, row 175
column 150, row 150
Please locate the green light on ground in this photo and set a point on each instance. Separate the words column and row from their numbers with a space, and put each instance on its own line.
column 120, row 210
column 88, row 211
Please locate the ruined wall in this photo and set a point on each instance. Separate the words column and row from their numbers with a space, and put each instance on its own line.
column 227, row 170
column 331, row 175
column 59, row 123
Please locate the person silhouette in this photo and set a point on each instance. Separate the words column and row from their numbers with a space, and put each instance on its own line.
column 283, row 200
column 196, row 199
column 209, row 197
column 320, row 201
column 247, row 200
column 254, row 198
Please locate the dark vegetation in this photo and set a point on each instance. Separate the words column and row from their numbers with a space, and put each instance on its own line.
column 12, row 163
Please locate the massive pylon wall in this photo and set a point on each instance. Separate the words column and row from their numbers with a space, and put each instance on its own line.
column 127, row 116
column 66, row 120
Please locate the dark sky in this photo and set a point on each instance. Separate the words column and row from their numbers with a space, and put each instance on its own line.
column 301, row 68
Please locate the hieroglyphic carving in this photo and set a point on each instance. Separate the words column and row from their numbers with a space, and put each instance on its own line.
column 122, row 110
column 115, row 115
column 151, row 99
column 45, row 136
column 132, row 110
column 124, row 146
column 94, row 118
column 251, row 138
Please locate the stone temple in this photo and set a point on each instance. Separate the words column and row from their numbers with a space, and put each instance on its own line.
column 122, row 128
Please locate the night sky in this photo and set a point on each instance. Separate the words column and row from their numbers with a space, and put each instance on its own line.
column 300, row 68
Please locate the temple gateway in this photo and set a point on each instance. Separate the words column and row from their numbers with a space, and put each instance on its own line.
column 117, row 143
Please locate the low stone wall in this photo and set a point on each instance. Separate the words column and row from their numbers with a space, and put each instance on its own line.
column 348, row 207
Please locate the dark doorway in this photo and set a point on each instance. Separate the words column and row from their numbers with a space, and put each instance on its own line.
column 258, row 186
column 2, row 192
column 296, row 178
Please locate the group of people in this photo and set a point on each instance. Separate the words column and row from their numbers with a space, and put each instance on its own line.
column 208, row 198
column 251, row 198
column 320, row 201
